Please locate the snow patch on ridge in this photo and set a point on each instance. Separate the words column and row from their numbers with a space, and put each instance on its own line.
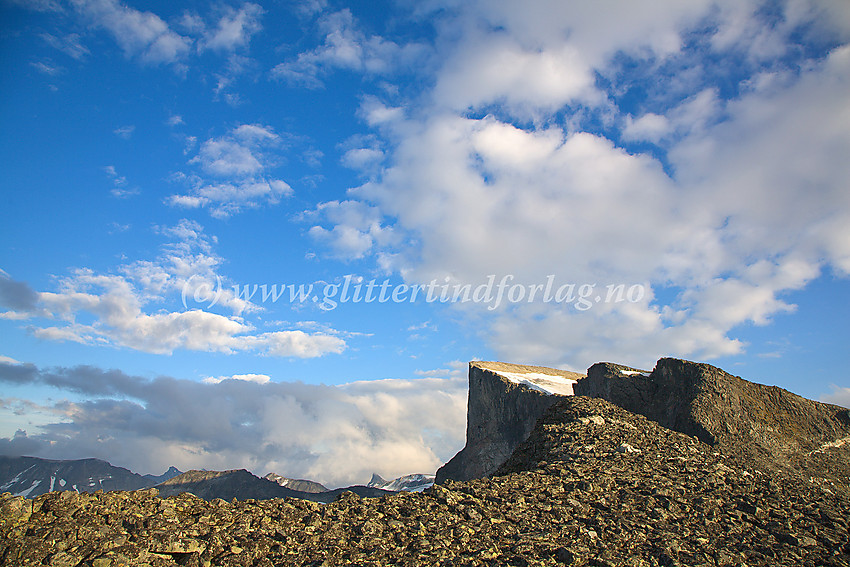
column 546, row 383
column 26, row 493
column 16, row 479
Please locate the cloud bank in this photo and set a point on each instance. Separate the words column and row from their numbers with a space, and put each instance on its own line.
column 336, row 435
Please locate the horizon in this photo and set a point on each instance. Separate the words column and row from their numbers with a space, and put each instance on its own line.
column 272, row 234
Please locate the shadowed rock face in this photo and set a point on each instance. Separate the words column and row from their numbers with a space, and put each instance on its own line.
column 762, row 424
column 500, row 416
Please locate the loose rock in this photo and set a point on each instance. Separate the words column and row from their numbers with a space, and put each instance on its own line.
column 567, row 496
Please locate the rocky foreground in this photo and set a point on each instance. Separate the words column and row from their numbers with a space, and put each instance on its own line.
column 593, row 485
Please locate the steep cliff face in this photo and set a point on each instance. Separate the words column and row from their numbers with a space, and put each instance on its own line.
column 505, row 401
column 763, row 424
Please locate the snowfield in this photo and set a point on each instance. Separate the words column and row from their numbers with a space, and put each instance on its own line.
column 546, row 383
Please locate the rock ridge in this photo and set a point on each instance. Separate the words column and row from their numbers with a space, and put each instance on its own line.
column 764, row 424
column 300, row 485
column 243, row 485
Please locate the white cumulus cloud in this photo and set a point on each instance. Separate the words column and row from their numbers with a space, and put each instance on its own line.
column 258, row 378
column 346, row 46
column 237, row 172
column 235, row 28
column 140, row 34
column 121, row 308
column 839, row 396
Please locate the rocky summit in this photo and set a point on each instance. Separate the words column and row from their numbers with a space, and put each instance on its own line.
column 771, row 428
column 592, row 484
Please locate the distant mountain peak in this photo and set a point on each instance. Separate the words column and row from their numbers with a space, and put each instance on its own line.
column 376, row 480
column 298, row 484
column 33, row 476
column 407, row 483
column 167, row 475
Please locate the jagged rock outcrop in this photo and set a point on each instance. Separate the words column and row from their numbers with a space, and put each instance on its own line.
column 772, row 426
column 764, row 424
column 592, row 485
column 500, row 414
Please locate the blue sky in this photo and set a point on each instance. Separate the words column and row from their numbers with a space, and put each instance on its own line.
column 665, row 178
